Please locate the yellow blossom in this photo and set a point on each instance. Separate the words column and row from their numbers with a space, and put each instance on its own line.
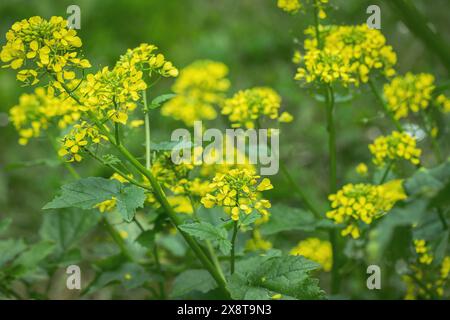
column 397, row 146
column 316, row 250
column 356, row 203
column 237, row 191
column 200, row 87
column 247, row 107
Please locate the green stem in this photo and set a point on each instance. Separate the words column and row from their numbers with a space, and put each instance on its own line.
column 147, row 131
column 386, row 172
column 299, row 191
column 209, row 247
column 428, row 130
column 418, row 25
column 160, row 196
column 384, row 105
column 335, row 277
column 109, row 228
column 233, row 245
column 316, row 25
column 117, row 238
column 118, row 171
column 442, row 218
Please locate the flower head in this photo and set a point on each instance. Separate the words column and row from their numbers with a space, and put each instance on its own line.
column 40, row 110
column 36, row 46
column 247, row 106
column 397, row 146
column 238, row 191
column 409, row 93
column 316, row 250
column 200, row 87
column 364, row 203
column 293, row 6
column 77, row 140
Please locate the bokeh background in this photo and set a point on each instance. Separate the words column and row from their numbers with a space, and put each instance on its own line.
column 254, row 38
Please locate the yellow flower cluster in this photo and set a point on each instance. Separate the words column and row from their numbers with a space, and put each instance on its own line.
column 421, row 249
column 37, row 46
column 200, row 86
column 434, row 281
column 397, row 146
column 409, row 93
column 364, row 48
column 145, row 59
column 257, row 242
column 316, row 250
column 443, row 102
column 107, row 205
column 248, row 106
column 36, row 112
column 292, row 6
column 113, row 93
column 326, row 65
column 81, row 135
column 348, row 55
column 238, row 191
column 356, row 203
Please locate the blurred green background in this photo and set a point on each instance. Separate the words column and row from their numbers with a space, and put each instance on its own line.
column 254, row 38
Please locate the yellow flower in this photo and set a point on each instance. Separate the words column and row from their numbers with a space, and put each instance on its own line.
column 74, row 143
column 246, row 107
column 327, row 66
column 290, row 6
column 348, row 56
column 409, row 93
column 364, row 203
column 293, row 6
column 257, row 242
column 397, row 146
column 362, row 169
column 38, row 111
column 200, row 86
column 43, row 46
column 107, row 205
column 237, row 191
column 421, row 249
column 443, row 102
column 316, row 250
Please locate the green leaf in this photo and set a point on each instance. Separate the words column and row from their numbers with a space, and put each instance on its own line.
column 159, row 100
column 110, row 159
column 284, row 218
column 146, row 239
column 10, row 248
column 66, row 228
column 248, row 219
column 172, row 145
column 86, row 193
column 192, row 280
column 285, row 275
column 130, row 275
column 206, row 231
column 29, row 259
column 381, row 236
column 428, row 182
